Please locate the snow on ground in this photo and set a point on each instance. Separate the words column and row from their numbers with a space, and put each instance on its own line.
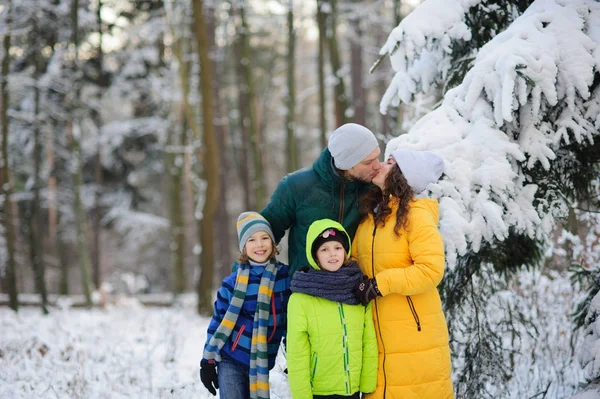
column 130, row 351
column 123, row 351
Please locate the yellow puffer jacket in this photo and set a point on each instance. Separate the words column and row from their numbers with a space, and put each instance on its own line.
column 412, row 335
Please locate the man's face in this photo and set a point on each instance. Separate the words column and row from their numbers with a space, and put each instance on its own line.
column 366, row 169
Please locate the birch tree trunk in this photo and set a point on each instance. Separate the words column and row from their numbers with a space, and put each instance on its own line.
column 292, row 151
column 74, row 139
column 210, row 163
column 5, row 180
column 36, row 242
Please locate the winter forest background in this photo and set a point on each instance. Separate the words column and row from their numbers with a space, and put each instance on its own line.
column 134, row 132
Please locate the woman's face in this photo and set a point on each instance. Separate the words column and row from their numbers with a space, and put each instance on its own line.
column 382, row 174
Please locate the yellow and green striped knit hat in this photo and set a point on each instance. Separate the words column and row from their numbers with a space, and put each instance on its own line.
column 249, row 223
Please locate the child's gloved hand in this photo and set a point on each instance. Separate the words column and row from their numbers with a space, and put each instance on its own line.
column 208, row 376
column 366, row 290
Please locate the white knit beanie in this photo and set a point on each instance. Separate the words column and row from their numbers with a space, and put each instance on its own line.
column 420, row 168
column 349, row 144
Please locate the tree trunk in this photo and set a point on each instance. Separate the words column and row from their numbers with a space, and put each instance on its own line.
column 81, row 240
column 96, row 225
column 321, row 23
column 245, row 168
column 52, row 204
column 210, row 164
column 356, row 70
column 36, row 248
column 5, row 180
column 397, row 12
column 341, row 100
column 389, row 121
column 223, row 226
column 175, row 165
column 258, row 184
column 292, row 151
column 63, row 257
column 77, row 169
column 58, row 177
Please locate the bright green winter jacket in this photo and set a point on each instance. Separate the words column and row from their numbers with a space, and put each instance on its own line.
column 331, row 347
column 309, row 194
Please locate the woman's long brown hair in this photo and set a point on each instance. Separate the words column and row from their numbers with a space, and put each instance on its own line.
column 396, row 186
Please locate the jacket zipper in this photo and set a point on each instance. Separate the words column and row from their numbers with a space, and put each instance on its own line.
column 411, row 305
column 341, row 216
column 237, row 338
column 377, row 309
column 345, row 348
column 314, row 370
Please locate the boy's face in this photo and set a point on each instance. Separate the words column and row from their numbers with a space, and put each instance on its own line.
column 331, row 256
column 259, row 247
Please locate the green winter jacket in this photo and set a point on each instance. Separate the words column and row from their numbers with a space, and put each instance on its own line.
column 309, row 194
column 331, row 347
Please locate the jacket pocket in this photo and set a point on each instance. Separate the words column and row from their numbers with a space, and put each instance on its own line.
column 237, row 337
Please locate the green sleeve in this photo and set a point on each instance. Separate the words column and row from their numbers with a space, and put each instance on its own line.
column 280, row 212
column 368, row 376
column 298, row 349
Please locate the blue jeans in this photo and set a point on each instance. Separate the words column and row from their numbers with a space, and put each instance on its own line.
column 234, row 379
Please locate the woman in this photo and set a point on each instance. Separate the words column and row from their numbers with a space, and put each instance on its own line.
column 399, row 248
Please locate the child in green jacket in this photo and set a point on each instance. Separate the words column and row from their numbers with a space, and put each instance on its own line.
column 331, row 344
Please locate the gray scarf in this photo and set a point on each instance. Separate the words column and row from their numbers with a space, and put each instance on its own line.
column 335, row 286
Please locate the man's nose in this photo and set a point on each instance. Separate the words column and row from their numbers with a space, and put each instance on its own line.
column 377, row 165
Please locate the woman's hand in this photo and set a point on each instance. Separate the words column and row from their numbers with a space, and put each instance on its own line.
column 366, row 290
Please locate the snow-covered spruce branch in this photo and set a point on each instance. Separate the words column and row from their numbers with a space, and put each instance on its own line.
column 528, row 95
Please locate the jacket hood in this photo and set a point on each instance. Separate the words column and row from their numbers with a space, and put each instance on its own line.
column 429, row 204
column 316, row 228
column 323, row 167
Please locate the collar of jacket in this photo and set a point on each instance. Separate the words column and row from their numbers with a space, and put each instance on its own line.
column 327, row 173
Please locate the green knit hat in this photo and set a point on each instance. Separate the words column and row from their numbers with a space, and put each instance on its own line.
column 249, row 223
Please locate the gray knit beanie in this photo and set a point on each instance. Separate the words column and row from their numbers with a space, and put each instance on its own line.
column 249, row 223
column 420, row 168
column 349, row 144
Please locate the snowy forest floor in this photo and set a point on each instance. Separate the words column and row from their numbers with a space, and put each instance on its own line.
column 126, row 350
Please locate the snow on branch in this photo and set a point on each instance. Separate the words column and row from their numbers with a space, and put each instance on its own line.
column 418, row 46
column 527, row 94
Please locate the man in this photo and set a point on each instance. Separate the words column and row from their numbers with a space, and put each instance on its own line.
column 330, row 188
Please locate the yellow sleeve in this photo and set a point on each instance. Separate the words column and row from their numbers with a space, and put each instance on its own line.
column 426, row 248
column 298, row 349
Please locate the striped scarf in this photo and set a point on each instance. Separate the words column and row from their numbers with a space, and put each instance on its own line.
column 259, row 355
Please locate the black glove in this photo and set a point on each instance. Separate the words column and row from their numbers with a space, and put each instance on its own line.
column 208, row 376
column 366, row 290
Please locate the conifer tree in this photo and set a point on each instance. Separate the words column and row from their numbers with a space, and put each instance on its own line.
column 518, row 132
